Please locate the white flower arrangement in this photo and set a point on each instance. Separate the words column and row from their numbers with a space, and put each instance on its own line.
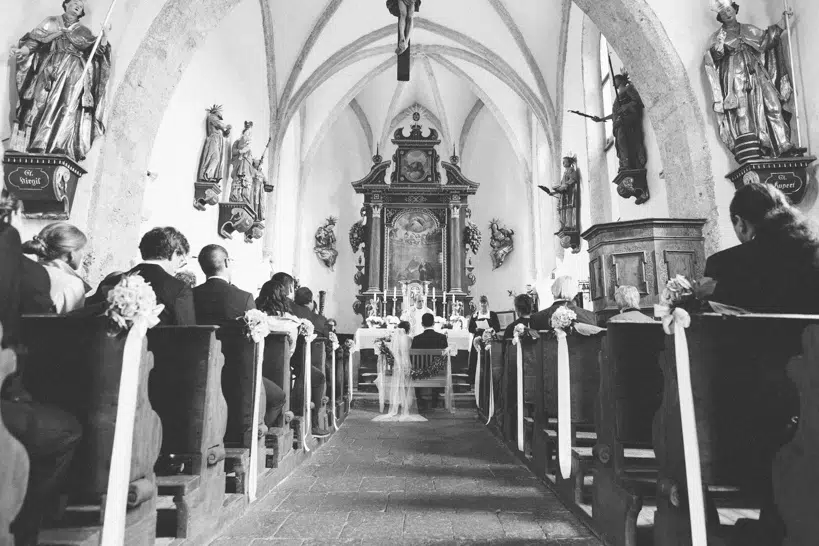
column 256, row 325
column 306, row 328
column 440, row 320
column 451, row 350
column 132, row 300
column 392, row 321
column 487, row 335
column 333, row 340
column 563, row 318
column 676, row 291
column 375, row 322
column 458, row 322
column 520, row 329
column 350, row 344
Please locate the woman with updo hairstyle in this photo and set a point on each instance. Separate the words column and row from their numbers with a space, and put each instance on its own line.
column 60, row 248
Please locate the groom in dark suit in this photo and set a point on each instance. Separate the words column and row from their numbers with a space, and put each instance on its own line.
column 218, row 302
column 429, row 338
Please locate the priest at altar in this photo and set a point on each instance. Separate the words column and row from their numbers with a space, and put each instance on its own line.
column 414, row 314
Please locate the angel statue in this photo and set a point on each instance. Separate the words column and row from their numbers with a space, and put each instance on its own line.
column 405, row 10
column 501, row 242
column 325, row 247
column 211, row 164
column 750, row 82
column 62, row 91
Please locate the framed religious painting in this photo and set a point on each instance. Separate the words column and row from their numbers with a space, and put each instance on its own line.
column 415, row 243
column 415, row 166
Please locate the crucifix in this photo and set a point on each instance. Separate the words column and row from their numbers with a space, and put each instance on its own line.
column 405, row 10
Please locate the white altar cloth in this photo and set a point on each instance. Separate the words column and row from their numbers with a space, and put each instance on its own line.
column 365, row 338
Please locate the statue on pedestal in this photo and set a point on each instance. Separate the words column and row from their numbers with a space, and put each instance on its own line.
column 751, row 85
column 212, row 162
column 627, row 114
column 61, row 75
column 568, row 194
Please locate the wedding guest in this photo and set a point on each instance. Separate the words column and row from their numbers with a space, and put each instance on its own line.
column 429, row 338
column 628, row 302
column 302, row 308
column 49, row 434
column 164, row 251
column 60, row 248
column 776, row 266
column 523, row 309
column 218, row 302
column 276, row 299
column 481, row 321
column 564, row 289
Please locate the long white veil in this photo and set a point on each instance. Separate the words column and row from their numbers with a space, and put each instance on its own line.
column 400, row 392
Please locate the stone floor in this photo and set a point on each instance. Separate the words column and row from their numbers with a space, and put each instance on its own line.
column 446, row 481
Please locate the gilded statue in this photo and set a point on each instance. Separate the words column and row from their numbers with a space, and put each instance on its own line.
column 211, row 164
column 248, row 183
column 750, row 83
column 627, row 114
column 62, row 103
column 405, row 10
column 502, row 243
column 325, row 246
column 568, row 207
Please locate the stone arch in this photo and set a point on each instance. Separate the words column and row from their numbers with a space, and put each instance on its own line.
column 136, row 113
column 670, row 103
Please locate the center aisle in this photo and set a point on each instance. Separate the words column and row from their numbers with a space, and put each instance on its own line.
column 446, row 481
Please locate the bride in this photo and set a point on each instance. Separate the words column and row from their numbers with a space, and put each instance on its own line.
column 398, row 388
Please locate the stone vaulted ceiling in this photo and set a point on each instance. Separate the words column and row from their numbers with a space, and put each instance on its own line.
column 502, row 55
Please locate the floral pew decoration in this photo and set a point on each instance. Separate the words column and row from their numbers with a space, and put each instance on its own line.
column 386, row 361
column 307, row 331
column 335, row 345
column 676, row 302
column 131, row 308
column 521, row 335
column 350, row 346
column 257, row 328
column 564, row 323
column 482, row 344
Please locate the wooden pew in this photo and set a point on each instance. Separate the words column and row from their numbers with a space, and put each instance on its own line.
column 15, row 465
column 584, row 383
column 276, row 368
column 532, row 359
column 340, row 410
column 485, row 375
column 78, row 369
column 749, row 376
column 630, row 393
column 497, row 367
column 186, row 391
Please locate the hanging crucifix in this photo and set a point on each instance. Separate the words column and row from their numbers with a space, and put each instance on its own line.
column 405, row 10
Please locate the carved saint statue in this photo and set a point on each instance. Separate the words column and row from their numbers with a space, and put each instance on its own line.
column 405, row 10
column 568, row 207
column 61, row 105
column 249, row 183
column 211, row 164
column 627, row 113
column 750, row 83
column 325, row 247
column 501, row 242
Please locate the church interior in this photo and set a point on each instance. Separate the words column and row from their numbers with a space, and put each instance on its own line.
column 435, row 271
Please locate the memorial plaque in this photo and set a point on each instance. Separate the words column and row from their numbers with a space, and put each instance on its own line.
column 45, row 183
column 789, row 175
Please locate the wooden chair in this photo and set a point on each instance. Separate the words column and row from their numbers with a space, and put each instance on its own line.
column 14, row 469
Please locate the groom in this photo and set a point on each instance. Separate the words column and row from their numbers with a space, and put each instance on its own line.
column 428, row 339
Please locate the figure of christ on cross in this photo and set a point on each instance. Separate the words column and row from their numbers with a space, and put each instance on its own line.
column 405, row 11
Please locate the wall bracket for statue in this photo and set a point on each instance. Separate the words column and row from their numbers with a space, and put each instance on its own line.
column 235, row 218
column 633, row 183
column 45, row 183
column 788, row 174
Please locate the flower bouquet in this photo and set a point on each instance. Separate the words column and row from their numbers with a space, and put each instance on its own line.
column 522, row 333
column 306, row 329
column 458, row 322
column 563, row 319
column 392, row 321
column 487, row 336
column 256, row 327
column 333, row 340
column 131, row 300
column 679, row 292
column 375, row 322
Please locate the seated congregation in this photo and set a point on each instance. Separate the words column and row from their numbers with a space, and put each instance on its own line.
column 595, row 408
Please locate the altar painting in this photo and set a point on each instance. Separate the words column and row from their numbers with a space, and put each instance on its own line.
column 415, row 243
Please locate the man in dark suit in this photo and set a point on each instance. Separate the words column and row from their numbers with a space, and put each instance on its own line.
column 523, row 308
column 564, row 290
column 49, row 434
column 429, row 338
column 301, row 307
column 628, row 301
column 218, row 302
column 164, row 251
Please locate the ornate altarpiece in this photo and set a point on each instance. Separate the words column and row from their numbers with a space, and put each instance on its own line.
column 415, row 224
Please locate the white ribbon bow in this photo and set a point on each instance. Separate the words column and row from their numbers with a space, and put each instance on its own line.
column 674, row 323
column 478, row 374
column 519, row 357
column 333, row 362
column 564, row 405
column 308, row 387
column 253, row 470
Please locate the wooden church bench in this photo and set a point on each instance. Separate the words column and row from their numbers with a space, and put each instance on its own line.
column 625, row 467
column 584, row 384
column 532, row 358
column 276, row 368
column 15, row 465
column 186, row 391
column 73, row 363
column 748, row 374
column 496, row 367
